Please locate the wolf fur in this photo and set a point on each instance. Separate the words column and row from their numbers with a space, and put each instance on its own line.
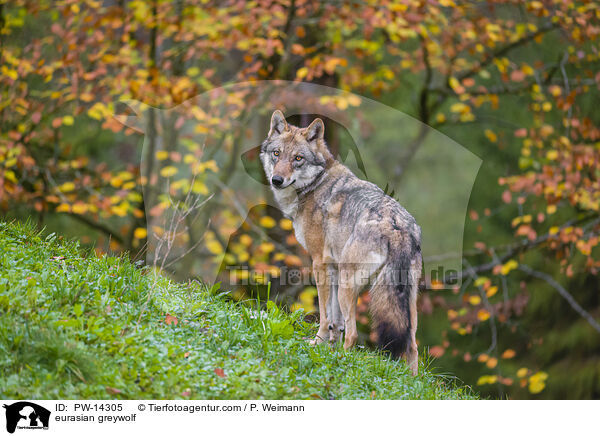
column 357, row 236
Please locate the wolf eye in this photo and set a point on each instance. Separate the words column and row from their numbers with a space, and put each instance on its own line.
column 276, row 153
column 299, row 158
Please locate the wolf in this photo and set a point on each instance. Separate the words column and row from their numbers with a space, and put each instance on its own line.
column 358, row 238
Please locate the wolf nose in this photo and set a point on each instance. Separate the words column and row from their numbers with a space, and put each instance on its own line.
column 277, row 180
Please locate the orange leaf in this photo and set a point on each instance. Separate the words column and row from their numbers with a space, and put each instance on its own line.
column 220, row 372
column 508, row 354
column 437, row 351
column 170, row 319
column 57, row 122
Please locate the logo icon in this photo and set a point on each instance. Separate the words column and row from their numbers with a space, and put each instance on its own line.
column 26, row 415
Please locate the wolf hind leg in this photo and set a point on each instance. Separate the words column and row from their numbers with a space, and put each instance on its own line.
column 356, row 274
column 412, row 353
column 347, row 298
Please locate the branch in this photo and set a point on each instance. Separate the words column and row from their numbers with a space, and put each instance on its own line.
column 98, row 226
column 564, row 293
column 518, row 248
column 424, row 108
column 503, row 50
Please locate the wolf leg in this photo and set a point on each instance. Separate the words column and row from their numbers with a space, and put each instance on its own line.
column 323, row 291
column 347, row 298
column 334, row 313
column 412, row 354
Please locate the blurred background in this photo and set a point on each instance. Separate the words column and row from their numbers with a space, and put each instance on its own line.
column 514, row 83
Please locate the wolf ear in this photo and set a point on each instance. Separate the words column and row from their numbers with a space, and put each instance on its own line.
column 315, row 131
column 278, row 123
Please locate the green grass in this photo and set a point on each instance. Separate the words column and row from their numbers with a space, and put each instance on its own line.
column 77, row 326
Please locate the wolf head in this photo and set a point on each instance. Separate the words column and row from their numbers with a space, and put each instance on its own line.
column 294, row 157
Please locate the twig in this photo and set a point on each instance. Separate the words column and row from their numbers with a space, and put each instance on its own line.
column 564, row 293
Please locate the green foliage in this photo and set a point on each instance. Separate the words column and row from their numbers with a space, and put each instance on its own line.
column 74, row 326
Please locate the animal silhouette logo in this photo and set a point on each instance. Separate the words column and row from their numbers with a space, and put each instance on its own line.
column 26, row 415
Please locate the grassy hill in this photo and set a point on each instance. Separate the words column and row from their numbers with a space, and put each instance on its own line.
column 80, row 326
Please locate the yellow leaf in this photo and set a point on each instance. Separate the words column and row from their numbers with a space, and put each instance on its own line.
column 79, row 208
column 522, row 372
column 550, row 209
column 214, row 247
column 267, row 247
column 246, row 240
column 302, row 73
column 483, row 315
column 474, row 300
column 487, row 379
column 140, row 233
column 68, row 120
column 267, row 222
column 162, row 154
column 460, row 108
column 537, row 382
column 285, row 224
column 491, row 136
column 199, row 188
column 168, row 171
column 64, row 207
column 527, row 69
column 9, row 175
column 491, row 291
column 508, row 267
column 67, row 187
column 129, row 185
column 554, row 230
column 120, row 210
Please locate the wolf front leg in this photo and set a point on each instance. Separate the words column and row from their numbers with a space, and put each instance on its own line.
column 323, row 291
column 334, row 313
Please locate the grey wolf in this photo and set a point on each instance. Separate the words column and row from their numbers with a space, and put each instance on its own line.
column 357, row 236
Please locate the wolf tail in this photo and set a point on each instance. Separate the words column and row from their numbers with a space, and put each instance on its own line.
column 393, row 304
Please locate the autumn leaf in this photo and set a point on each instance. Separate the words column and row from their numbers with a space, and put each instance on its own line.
column 219, row 372
column 437, row 351
column 267, row 222
column 508, row 354
column 170, row 319
column 537, row 382
column 508, row 267
column 168, row 171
